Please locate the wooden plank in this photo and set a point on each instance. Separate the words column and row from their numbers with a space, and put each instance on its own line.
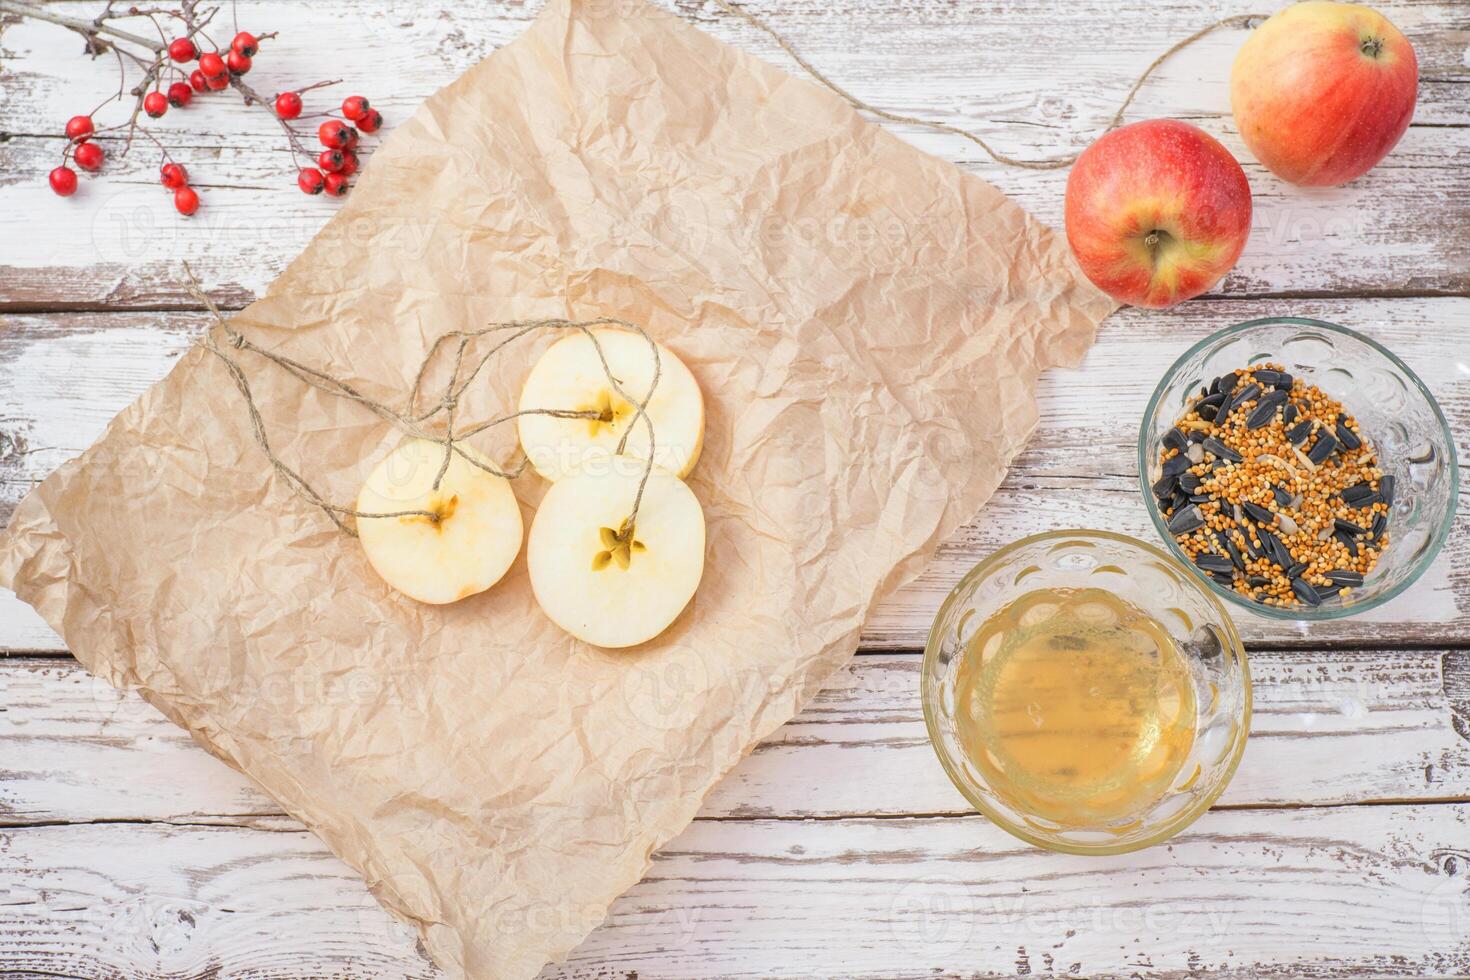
column 1352, row 892
column 989, row 67
column 63, row 376
column 1353, row 727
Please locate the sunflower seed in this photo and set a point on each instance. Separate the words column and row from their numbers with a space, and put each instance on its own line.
column 1228, row 546
column 1200, row 498
column 1325, row 592
column 1213, row 445
column 1283, row 499
column 1296, row 570
column 1346, row 436
column 1260, row 415
column 1266, row 376
column 1379, row 524
column 1285, row 381
column 1186, row 520
column 1348, row 527
column 1385, row 490
column 1208, row 412
column 1270, row 399
column 1297, row 434
column 1280, row 553
column 1255, row 546
column 1323, row 447
column 1174, row 439
column 1257, row 513
column 1189, row 482
column 1269, row 545
column 1342, row 576
column 1358, row 495
column 1213, row 563
column 1305, row 592
column 1165, row 486
column 1240, row 398
column 1348, row 541
column 1217, row 399
column 1256, row 581
column 1289, row 413
column 1175, row 465
column 1226, row 382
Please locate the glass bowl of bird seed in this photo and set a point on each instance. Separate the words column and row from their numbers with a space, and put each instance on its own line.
column 1300, row 469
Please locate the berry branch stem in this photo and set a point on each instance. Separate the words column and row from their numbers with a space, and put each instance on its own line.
column 252, row 97
column 87, row 28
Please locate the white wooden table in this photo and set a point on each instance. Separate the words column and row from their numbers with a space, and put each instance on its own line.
column 1342, row 849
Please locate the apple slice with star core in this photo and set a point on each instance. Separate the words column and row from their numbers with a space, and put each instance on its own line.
column 571, row 376
column 602, row 581
column 465, row 549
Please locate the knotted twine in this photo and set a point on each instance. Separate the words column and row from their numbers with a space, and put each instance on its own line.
column 411, row 422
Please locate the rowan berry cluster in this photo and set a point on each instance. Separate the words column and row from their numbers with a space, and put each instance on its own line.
column 176, row 69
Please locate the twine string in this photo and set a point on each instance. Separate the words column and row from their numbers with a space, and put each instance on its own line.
column 1056, row 163
column 410, row 421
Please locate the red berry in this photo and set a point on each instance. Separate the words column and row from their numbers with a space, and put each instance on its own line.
column 288, row 105
column 211, row 64
column 354, row 106
column 198, row 81
column 238, row 63
column 173, row 176
column 64, row 181
column 182, row 49
column 155, row 104
column 89, row 156
column 310, row 180
column 334, row 133
column 330, row 160
column 217, row 82
column 186, row 201
column 245, row 44
column 369, row 121
column 79, row 128
column 336, row 184
column 349, row 163
column 179, row 94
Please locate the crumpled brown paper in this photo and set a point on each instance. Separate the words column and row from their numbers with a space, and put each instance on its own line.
column 867, row 323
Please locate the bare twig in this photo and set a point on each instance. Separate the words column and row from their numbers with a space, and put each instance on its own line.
column 87, row 28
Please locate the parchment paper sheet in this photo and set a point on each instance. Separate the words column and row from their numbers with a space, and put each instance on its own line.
column 867, row 323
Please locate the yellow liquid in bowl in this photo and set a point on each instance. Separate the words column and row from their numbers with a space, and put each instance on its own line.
column 1075, row 707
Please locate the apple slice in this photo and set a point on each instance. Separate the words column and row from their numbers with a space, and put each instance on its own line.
column 571, row 376
column 610, row 588
column 466, row 550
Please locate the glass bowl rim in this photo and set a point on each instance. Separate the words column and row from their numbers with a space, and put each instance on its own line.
column 1295, row 614
column 1173, row 825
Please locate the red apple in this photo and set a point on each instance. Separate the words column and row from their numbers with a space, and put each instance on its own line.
column 1157, row 212
column 1322, row 91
